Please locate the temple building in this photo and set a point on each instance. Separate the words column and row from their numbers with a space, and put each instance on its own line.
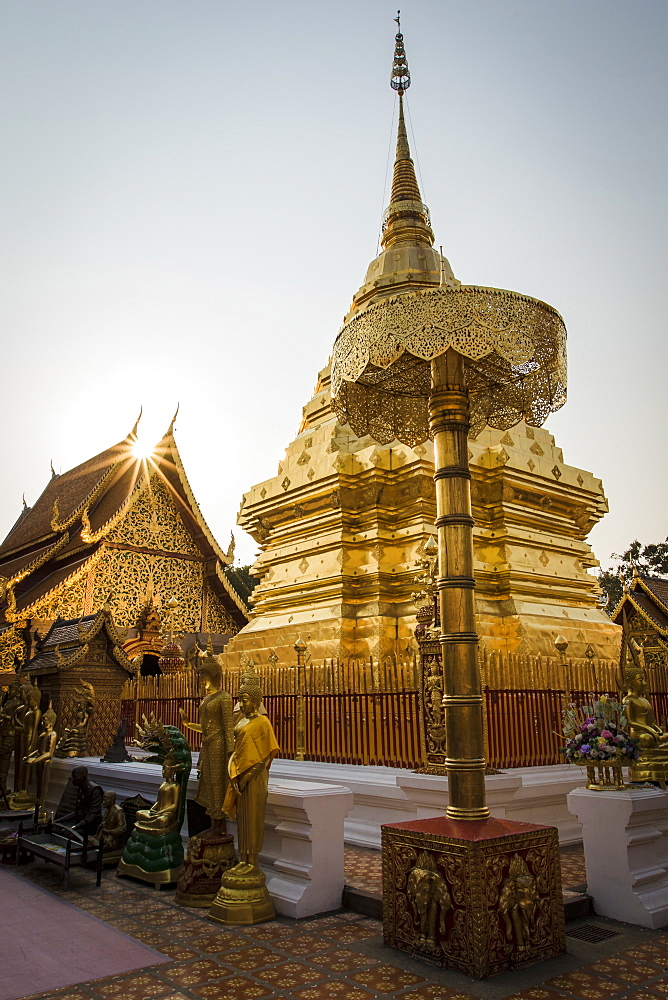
column 342, row 526
column 643, row 611
column 125, row 531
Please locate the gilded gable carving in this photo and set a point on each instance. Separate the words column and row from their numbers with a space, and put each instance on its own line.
column 126, row 576
column 217, row 619
column 153, row 522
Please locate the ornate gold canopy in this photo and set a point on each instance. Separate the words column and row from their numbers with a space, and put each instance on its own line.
column 514, row 346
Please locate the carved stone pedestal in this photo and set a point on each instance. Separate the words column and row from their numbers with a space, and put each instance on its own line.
column 477, row 897
column 153, row 859
column 242, row 899
column 209, row 856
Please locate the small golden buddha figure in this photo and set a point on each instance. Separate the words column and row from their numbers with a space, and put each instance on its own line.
column 39, row 760
column 163, row 816
column 641, row 721
column 255, row 746
column 215, row 725
column 111, row 830
column 73, row 742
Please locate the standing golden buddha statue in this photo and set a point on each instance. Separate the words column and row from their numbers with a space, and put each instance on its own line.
column 243, row 896
column 211, row 852
column 41, row 757
column 26, row 724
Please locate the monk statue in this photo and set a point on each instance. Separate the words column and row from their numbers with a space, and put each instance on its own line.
column 73, row 742
column 641, row 722
column 87, row 813
column 243, row 897
column 26, row 723
column 111, row 830
column 215, row 725
column 39, row 760
column 163, row 816
column 9, row 705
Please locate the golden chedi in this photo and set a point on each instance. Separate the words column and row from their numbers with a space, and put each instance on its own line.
column 211, row 852
column 243, row 896
column 641, row 722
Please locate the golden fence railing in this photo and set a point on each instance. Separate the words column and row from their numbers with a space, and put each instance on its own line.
column 367, row 711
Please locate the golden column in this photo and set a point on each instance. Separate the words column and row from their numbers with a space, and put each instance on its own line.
column 418, row 358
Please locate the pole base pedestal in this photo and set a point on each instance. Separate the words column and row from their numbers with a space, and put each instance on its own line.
column 209, row 856
column 242, row 898
column 477, row 897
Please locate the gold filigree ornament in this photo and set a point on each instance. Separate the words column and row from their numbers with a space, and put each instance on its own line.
column 518, row 903
column 514, row 347
column 427, row 891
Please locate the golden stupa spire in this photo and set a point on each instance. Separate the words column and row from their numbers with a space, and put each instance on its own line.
column 407, row 217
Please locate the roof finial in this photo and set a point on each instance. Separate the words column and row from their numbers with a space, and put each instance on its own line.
column 171, row 426
column 53, row 471
column 400, row 79
column 135, row 430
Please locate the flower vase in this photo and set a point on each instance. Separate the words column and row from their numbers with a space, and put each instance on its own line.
column 606, row 776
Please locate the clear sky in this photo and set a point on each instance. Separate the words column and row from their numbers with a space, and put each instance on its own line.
column 191, row 193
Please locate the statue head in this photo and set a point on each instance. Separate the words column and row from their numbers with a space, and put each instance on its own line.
column 109, row 799
column 210, row 669
column 79, row 776
column 33, row 696
column 49, row 718
column 250, row 696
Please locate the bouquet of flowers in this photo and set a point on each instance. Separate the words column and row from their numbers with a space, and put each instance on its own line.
column 596, row 734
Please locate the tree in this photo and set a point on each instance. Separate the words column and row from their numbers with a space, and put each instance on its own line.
column 647, row 560
column 242, row 580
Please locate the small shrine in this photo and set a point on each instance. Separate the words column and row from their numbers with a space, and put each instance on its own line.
column 643, row 613
column 81, row 668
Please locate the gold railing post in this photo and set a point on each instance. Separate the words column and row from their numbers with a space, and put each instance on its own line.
column 462, row 700
column 300, row 650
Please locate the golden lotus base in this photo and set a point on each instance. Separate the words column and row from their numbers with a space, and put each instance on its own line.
column 477, row 897
column 209, row 856
column 242, row 899
column 164, row 877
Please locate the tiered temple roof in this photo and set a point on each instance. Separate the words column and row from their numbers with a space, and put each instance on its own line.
column 120, row 528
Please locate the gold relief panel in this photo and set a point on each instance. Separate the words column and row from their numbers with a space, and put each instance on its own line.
column 66, row 601
column 153, row 522
column 478, row 906
column 126, row 576
column 11, row 645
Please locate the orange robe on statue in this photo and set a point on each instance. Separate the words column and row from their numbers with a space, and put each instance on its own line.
column 255, row 746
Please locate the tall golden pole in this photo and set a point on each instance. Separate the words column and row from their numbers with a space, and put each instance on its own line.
column 462, row 700
column 300, row 649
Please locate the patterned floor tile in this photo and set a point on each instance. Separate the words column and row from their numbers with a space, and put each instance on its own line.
column 234, row 988
column 127, row 925
column 585, row 985
column 289, row 975
column 318, row 923
column 386, row 978
column 255, row 957
column 152, row 938
column 533, row 993
column 343, row 960
column 640, row 994
column 625, row 969
column 270, row 931
column 187, row 974
column 434, row 991
column 350, row 933
column 661, row 986
column 303, row 944
column 333, row 990
column 655, row 951
column 132, row 987
column 177, row 951
column 211, row 943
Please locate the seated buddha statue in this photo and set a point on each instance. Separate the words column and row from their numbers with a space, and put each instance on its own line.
column 163, row 816
column 641, row 722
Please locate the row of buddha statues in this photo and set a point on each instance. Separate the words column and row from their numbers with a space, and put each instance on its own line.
column 29, row 736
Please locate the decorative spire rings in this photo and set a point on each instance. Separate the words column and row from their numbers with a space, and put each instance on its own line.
column 400, row 80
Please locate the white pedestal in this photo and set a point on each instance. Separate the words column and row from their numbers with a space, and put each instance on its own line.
column 303, row 838
column 625, row 837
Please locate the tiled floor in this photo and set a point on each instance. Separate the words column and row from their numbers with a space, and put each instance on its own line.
column 336, row 957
